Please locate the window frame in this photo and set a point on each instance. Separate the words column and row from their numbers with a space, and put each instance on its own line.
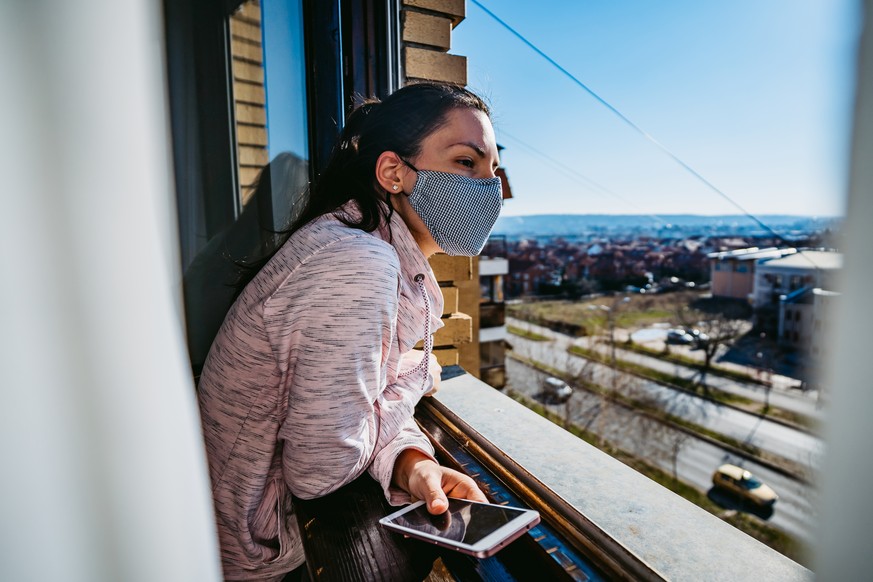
column 202, row 109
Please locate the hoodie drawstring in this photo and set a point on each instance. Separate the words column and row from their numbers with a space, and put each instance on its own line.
column 428, row 338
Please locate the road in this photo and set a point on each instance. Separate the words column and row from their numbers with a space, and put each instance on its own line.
column 696, row 458
column 796, row 446
column 780, row 396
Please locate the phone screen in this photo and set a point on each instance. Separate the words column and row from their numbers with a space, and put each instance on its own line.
column 463, row 522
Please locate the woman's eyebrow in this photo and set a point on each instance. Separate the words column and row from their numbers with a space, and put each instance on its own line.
column 474, row 146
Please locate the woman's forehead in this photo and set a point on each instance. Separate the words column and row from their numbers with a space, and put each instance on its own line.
column 466, row 127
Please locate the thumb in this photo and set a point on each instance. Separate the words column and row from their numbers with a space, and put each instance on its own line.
column 436, row 500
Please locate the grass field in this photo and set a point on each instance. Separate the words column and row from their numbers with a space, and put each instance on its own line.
column 526, row 334
column 590, row 317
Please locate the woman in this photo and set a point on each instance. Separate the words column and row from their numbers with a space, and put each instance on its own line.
column 312, row 379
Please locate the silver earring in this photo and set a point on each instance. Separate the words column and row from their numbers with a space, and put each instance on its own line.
column 394, row 187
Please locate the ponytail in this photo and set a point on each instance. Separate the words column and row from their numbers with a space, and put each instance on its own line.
column 398, row 124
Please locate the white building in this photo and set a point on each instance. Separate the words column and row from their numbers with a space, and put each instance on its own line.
column 805, row 269
column 493, row 272
column 804, row 319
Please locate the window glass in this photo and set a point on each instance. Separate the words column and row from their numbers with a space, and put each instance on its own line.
column 287, row 127
column 269, row 72
column 268, row 89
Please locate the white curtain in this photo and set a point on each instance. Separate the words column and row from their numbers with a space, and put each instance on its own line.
column 103, row 470
column 847, row 508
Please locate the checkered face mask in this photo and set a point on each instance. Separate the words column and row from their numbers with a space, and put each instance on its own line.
column 458, row 211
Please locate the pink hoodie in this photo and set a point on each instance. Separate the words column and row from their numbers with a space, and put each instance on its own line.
column 312, row 380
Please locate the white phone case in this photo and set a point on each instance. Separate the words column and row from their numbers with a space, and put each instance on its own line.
column 521, row 521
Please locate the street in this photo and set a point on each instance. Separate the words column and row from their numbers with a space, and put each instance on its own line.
column 780, row 396
column 654, row 442
column 799, row 447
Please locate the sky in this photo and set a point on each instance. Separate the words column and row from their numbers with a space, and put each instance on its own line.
column 753, row 95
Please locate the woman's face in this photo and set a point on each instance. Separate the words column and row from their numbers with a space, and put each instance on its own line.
column 463, row 145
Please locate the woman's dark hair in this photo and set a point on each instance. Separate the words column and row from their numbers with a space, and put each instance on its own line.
column 398, row 124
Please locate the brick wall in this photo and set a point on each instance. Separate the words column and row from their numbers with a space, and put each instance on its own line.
column 249, row 95
column 427, row 37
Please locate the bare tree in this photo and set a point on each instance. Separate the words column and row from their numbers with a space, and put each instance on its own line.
column 677, row 440
column 580, row 372
column 658, row 440
column 721, row 322
column 767, row 359
column 610, row 311
column 602, row 417
column 623, row 389
column 572, row 410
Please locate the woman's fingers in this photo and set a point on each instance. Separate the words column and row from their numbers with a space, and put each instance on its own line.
column 426, row 480
column 466, row 488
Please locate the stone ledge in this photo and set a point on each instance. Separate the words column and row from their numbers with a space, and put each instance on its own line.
column 667, row 533
column 450, row 299
column 434, row 31
column 447, row 268
column 435, row 66
column 456, row 9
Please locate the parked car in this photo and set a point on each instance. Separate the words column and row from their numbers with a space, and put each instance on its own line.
column 700, row 338
column 679, row 336
column 741, row 482
column 556, row 390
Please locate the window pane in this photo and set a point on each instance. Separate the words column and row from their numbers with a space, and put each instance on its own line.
column 287, row 128
column 270, row 98
column 269, row 118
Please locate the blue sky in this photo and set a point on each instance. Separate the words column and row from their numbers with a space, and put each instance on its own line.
column 755, row 95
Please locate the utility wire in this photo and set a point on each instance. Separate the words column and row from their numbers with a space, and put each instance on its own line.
column 636, row 127
column 591, row 184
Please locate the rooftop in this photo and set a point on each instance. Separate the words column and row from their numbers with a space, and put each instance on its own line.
column 751, row 254
column 809, row 259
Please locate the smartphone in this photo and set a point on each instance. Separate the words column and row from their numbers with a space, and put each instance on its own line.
column 471, row 527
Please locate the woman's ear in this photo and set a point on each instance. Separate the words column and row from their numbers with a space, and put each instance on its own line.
column 390, row 171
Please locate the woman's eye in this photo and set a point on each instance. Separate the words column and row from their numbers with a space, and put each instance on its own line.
column 467, row 163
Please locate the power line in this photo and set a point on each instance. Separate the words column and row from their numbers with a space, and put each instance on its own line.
column 636, row 127
column 591, row 184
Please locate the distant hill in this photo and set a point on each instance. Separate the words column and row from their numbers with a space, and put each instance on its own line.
column 573, row 225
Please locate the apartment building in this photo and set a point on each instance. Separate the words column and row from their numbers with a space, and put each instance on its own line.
column 732, row 273
column 493, row 274
column 805, row 320
column 778, row 276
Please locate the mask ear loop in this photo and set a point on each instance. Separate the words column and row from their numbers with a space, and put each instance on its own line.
column 413, row 168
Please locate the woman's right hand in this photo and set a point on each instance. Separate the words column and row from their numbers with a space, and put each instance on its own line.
column 421, row 477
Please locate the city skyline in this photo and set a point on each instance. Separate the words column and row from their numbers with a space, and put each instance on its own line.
column 754, row 97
